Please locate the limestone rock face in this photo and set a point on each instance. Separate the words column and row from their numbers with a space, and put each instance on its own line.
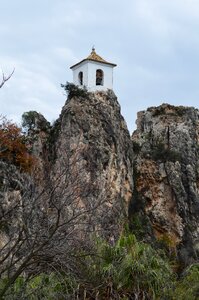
column 82, row 183
column 90, row 153
column 88, row 162
column 38, row 133
column 166, row 177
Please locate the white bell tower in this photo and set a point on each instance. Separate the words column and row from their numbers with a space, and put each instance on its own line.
column 93, row 72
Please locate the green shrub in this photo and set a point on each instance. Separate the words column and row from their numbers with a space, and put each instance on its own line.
column 138, row 224
column 73, row 90
column 188, row 286
column 128, row 270
column 160, row 152
column 159, row 111
column 43, row 286
column 33, row 120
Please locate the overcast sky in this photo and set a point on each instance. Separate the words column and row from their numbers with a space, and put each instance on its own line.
column 155, row 44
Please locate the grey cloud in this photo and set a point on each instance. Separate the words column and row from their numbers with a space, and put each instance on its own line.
column 155, row 44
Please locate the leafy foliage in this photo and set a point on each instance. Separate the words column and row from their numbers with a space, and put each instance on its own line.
column 138, row 224
column 33, row 120
column 73, row 90
column 13, row 148
column 165, row 154
column 43, row 286
column 188, row 286
column 127, row 270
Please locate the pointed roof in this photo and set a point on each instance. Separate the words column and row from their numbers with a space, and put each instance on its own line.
column 94, row 57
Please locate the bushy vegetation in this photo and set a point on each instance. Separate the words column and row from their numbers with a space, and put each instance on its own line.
column 33, row 120
column 170, row 110
column 188, row 286
column 43, row 286
column 13, row 146
column 73, row 90
column 160, row 152
column 127, row 270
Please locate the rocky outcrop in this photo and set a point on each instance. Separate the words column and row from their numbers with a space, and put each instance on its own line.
column 89, row 161
column 94, row 143
column 81, row 186
column 88, row 157
column 37, row 130
column 166, row 178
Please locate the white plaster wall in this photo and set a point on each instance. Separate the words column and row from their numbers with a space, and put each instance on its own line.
column 108, row 76
column 83, row 67
column 89, row 75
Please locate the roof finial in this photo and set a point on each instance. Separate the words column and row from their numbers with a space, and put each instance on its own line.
column 93, row 48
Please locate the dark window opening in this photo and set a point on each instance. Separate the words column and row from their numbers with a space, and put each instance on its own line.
column 80, row 76
column 99, row 77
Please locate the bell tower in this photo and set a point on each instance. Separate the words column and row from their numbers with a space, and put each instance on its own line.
column 93, row 72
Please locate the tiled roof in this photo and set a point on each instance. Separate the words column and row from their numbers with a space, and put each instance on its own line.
column 94, row 57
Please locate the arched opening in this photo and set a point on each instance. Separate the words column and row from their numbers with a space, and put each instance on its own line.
column 99, row 77
column 80, row 77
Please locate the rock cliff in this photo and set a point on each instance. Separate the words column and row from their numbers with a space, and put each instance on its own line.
column 88, row 155
column 166, row 176
column 150, row 180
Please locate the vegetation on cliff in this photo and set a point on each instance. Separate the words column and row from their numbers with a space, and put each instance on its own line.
column 14, row 148
column 63, row 227
column 73, row 90
column 122, row 269
column 127, row 270
column 33, row 120
column 166, row 178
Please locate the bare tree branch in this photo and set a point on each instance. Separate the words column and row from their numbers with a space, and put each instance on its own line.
column 44, row 225
column 5, row 78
